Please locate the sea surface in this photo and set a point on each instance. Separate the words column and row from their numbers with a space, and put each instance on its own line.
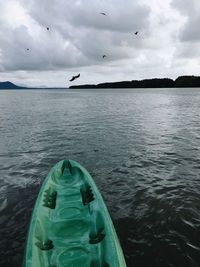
column 141, row 146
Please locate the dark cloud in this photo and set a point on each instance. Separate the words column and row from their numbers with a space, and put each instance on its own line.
column 119, row 18
column 78, row 34
column 48, row 51
column 191, row 29
column 86, row 14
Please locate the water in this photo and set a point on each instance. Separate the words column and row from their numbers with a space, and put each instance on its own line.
column 142, row 148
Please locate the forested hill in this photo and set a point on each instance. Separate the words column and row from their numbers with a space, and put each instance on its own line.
column 182, row 81
column 9, row 85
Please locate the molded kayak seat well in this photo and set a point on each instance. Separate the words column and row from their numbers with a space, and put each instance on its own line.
column 70, row 225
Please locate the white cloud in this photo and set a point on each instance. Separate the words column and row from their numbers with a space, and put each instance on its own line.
column 79, row 36
column 190, row 10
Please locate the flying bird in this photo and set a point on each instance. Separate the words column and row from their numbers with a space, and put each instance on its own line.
column 47, row 28
column 136, row 33
column 74, row 77
column 104, row 56
column 102, row 13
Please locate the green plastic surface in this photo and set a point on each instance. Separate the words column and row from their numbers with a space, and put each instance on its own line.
column 70, row 225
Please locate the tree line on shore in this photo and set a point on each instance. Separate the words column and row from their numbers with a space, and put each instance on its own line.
column 181, row 81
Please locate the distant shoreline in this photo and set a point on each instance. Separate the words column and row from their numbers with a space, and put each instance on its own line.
column 11, row 86
column 35, row 88
column 180, row 82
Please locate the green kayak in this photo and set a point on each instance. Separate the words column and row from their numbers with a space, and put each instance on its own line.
column 70, row 225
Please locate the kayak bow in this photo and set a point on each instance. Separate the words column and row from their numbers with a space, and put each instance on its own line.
column 70, row 225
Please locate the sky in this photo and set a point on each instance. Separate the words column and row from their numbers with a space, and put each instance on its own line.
column 167, row 43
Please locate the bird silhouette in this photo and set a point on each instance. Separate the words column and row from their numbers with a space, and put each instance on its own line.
column 74, row 77
column 104, row 56
column 47, row 28
column 136, row 33
column 102, row 13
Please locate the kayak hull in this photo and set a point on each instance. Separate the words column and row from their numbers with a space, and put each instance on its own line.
column 70, row 224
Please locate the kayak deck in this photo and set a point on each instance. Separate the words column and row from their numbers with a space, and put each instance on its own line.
column 70, row 223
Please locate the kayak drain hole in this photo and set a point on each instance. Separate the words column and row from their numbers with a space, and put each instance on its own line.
column 45, row 245
column 98, row 237
column 87, row 195
column 50, row 197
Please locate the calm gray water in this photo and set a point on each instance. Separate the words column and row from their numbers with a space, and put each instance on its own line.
column 142, row 148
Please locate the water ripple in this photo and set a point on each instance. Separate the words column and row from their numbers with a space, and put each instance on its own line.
column 142, row 148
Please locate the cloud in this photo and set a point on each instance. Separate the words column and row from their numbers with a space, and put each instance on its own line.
column 86, row 14
column 79, row 35
column 190, row 10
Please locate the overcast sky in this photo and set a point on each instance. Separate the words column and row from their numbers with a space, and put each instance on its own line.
column 167, row 45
